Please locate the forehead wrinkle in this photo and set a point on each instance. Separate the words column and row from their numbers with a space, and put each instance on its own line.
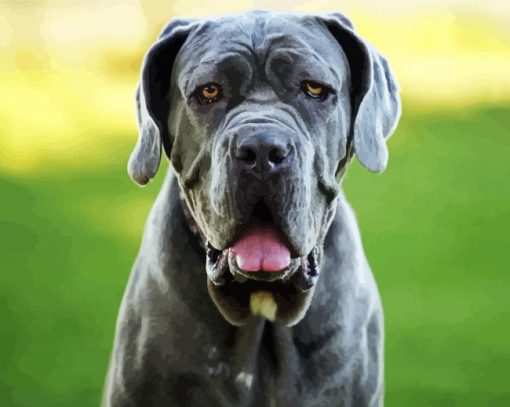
column 225, row 39
column 217, row 36
column 300, row 55
column 212, row 63
column 305, row 33
column 305, row 43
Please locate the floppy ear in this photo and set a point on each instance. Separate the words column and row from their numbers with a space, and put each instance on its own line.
column 375, row 96
column 153, row 102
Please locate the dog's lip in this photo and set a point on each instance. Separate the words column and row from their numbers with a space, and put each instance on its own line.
column 261, row 275
column 302, row 272
column 219, row 262
column 295, row 253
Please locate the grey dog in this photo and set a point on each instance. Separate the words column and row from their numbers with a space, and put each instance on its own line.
column 251, row 287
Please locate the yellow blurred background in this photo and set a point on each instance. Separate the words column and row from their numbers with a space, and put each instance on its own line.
column 434, row 225
column 66, row 64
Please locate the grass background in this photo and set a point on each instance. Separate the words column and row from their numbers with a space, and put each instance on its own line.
column 434, row 225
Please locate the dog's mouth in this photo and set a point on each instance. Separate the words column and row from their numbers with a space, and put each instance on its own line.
column 261, row 275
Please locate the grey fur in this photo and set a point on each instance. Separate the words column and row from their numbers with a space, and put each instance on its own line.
column 172, row 346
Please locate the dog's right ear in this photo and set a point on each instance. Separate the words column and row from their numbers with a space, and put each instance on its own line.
column 153, row 101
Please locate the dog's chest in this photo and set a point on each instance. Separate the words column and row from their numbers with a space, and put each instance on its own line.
column 266, row 374
column 243, row 380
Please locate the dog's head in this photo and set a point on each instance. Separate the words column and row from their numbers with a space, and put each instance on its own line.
column 260, row 113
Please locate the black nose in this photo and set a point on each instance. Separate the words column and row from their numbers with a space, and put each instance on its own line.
column 264, row 152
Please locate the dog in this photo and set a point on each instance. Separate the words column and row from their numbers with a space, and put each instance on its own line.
column 251, row 287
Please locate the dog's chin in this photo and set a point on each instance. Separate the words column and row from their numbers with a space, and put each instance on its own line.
column 274, row 301
column 282, row 296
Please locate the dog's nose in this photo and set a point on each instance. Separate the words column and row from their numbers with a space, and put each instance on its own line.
column 264, row 153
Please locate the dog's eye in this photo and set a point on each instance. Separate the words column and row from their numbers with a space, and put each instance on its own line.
column 208, row 93
column 315, row 90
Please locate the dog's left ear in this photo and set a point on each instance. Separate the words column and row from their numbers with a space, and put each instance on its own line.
column 375, row 96
column 153, row 102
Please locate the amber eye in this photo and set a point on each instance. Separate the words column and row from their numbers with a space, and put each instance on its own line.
column 315, row 90
column 208, row 93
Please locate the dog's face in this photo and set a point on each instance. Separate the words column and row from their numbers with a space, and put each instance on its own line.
column 259, row 114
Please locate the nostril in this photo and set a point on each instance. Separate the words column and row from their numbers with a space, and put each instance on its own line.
column 277, row 155
column 263, row 152
column 247, row 155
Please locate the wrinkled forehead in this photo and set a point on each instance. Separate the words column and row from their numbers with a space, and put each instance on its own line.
column 257, row 37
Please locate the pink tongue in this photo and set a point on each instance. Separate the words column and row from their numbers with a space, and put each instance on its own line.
column 261, row 248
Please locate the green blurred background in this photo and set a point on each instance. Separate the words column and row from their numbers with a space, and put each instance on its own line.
column 435, row 224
